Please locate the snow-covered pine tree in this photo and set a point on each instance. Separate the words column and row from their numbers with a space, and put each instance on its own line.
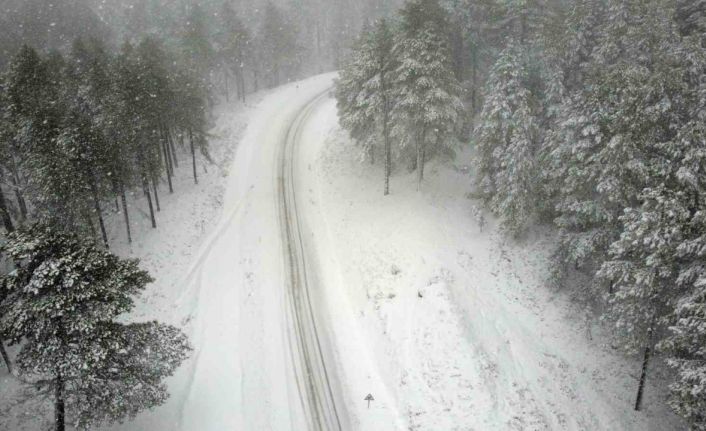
column 643, row 267
column 82, row 139
column 3, row 352
column 507, row 143
column 196, row 46
column 579, row 40
column 649, row 176
column 23, row 83
column 233, row 47
column 600, row 153
column 685, row 339
column 37, row 108
column 63, row 299
column 686, row 346
column 121, row 130
column 278, row 45
column 365, row 93
column 146, row 103
column 7, row 133
column 351, row 99
column 428, row 106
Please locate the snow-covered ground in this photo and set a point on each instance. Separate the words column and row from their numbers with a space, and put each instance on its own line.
column 184, row 221
column 448, row 327
column 216, row 256
column 460, row 324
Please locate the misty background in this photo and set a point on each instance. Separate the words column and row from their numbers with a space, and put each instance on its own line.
column 318, row 32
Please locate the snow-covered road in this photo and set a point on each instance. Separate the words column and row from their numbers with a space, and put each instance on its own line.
column 314, row 380
column 258, row 363
column 235, row 299
column 272, row 349
column 313, row 290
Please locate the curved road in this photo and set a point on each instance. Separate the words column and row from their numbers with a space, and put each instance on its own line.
column 308, row 356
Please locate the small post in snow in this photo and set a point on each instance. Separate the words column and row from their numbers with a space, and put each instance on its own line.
column 369, row 398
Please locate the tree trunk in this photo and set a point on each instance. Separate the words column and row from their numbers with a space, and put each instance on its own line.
column 474, row 78
column 5, row 214
column 148, row 195
column 193, row 155
column 89, row 222
column 388, row 154
column 645, row 364
column 5, row 357
column 18, row 196
column 420, row 161
column 167, row 164
column 256, row 81
column 59, row 406
column 225, row 83
column 241, row 79
column 371, row 154
column 156, row 195
column 127, row 216
column 99, row 212
column 172, row 150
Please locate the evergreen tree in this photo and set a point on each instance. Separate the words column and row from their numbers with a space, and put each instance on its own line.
column 427, row 93
column 365, row 93
column 507, row 143
column 64, row 297
column 278, row 45
column 191, row 115
column 7, row 158
column 685, row 345
column 37, row 108
column 121, row 129
column 83, row 138
column 233, row 49
column 197, row 49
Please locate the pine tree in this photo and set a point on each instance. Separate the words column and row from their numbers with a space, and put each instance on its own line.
column 7, row 134
column 278, row 45
column 233, row 49
column 3, row 352
column 83, row 138
column 685, row 345
column 507, row 143
column 605, row 140
column 37, row 107
column 24, row 89
column 643, row 267
column 428, row 106
column 63, row 300
column 121, row 129
column 190, row 115
column 365, row 93
column 197, row 49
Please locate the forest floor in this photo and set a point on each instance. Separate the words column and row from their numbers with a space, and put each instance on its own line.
column 448, row 327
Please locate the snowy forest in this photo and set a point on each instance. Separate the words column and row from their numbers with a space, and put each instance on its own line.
column 586, row 118
column 98, row 100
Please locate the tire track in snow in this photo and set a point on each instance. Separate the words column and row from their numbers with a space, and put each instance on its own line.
column 312, row 375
